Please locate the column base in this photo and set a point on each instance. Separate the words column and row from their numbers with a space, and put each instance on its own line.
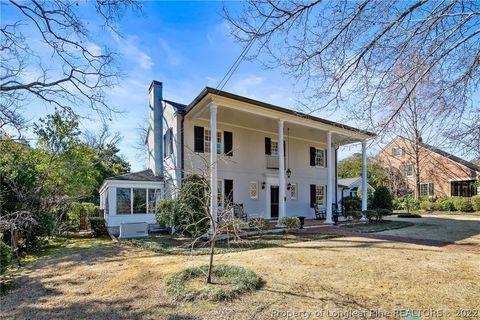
column 328, row 221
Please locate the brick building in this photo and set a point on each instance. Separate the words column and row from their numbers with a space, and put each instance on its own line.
column 441, row 174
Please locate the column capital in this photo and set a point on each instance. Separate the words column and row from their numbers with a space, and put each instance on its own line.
column 281, row 122
column 213, row 106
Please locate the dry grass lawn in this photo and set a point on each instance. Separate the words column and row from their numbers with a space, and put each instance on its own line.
column 113, row 282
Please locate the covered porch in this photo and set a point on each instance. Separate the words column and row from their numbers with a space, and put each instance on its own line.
column 280, row 172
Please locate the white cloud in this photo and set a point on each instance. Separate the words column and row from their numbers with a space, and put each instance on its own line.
column 130, row 50
column 94, row 49
column 170, row 55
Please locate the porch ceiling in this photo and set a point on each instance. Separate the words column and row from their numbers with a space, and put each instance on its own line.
column 241, row 114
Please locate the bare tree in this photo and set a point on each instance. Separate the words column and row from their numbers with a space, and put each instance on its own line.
column 48, row 55
column 348, row 53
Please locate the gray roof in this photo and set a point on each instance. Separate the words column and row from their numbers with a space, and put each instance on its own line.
column 145, row 175
column 348, row 181
column 177, row 106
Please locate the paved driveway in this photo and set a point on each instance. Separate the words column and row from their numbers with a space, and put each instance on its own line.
column 462, row 229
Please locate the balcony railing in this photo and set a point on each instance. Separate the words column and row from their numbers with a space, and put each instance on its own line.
column 272, row 162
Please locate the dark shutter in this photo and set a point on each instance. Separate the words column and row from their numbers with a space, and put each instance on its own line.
column 171, row 141
column 198, row 136
column 312, row 156
column 228, row 141
column 326, row 157
column 312, row 195
column 268, row 146
column 284, row 149
column 228, row 192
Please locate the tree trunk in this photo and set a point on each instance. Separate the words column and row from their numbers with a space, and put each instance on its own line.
column 212, row 252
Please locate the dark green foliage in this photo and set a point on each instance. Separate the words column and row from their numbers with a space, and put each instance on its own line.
column 190, row 209
column 37, row 236
column 462, row 204
column 446, row 204
column 165, row 212
column 476, row 202
column 382, row 199
column 98, row 226
column 405, row 202
column 381, row 213
column 5, row 256
column 370, row 214
column 228, row 282
column 73, row 214
column 356, row 214
column 409, row 215
column 352, row 203
column 352, row 167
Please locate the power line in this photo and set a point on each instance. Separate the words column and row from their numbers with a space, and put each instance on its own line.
column 242, row 55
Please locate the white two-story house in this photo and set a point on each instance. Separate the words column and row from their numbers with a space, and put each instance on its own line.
column 274, row 161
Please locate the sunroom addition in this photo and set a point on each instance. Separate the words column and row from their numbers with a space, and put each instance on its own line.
column 131, row 198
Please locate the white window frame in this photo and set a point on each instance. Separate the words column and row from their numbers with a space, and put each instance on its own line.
column 220, row 193
column 206, row 143
column 319, row 187
column 294, row 191
column 429, row 190
column 253, row 185
column 131, row 200
column 317, row 158
column 405, row 171
column 395, row 152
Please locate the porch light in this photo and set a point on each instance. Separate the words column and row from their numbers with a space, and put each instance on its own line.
column 263, row 185
column 289, row 173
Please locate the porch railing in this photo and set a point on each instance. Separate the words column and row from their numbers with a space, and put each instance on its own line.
column 272, row 162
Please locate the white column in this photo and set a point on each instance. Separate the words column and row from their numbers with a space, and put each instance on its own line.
column 281, row 171
column 364, row 178
column 330, row 186
column 213, row 160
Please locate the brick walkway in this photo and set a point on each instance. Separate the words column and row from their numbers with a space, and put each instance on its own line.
column 425, row 242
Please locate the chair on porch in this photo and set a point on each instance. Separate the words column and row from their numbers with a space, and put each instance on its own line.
column 320, row 212
column 238, row 211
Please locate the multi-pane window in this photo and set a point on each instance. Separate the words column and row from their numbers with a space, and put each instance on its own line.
column 319, row 157
column 274, row 148
column 220, row 193
column 253, row 190
column 137, row 200
column 319, row 194
column 407, row 170
column 207, row 138
column 293, row 191
column 426, row 189
column 397, row 151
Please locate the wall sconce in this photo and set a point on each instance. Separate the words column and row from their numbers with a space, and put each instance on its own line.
column 289, row 173
column 289, row 186
column 263, row 185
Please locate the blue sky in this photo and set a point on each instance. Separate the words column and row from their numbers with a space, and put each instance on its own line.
column 187, row 46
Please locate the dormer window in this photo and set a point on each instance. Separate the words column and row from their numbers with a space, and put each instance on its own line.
column 398, row 151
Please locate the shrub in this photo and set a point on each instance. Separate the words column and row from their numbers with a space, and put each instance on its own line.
column 404, row 202
column 476, row 202
column 290, row 222
column 446, row 204
column 352, row 203
column 409, row 215
column 462, row 204
column 189, row 210
column 73, row 213
column 426, row 205
column 165, row 212
column 382, row 213
column 259, row 223
column 356, row 215
column 234, row 281
column 382, row 199
column 370, row 214
column 98, row 225
column 44, row 227
column 5, row 256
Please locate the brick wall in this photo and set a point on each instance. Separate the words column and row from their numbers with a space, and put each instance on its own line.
column 434, row 168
